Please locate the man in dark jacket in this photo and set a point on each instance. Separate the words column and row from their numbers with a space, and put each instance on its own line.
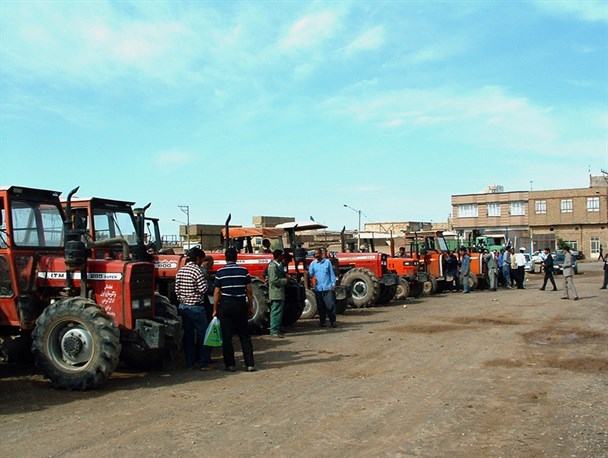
column 548, row 266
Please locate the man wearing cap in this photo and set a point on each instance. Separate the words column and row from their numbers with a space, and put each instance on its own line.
column 191, row 288
column 520, row 260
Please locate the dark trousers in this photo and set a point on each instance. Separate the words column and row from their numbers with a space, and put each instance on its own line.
column 520, row 277
column 549, row 277
column 605, row 284
column 233, row 321
column 454, row 282
column 326, row 306
column 194, row 323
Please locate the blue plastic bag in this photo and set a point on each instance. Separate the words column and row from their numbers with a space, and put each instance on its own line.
column 213, row 334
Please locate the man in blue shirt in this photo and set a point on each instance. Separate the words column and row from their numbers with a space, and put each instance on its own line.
column 322, row 271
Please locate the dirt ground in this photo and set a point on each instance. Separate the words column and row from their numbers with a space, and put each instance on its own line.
column 513, row 373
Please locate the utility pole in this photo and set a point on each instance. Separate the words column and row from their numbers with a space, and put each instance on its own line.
column 186, row 210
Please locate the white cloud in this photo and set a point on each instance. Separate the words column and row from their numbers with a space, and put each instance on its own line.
column 371, row 39
column 487, row 117
column 587, row 10
column 309, row 31
column 172, row 159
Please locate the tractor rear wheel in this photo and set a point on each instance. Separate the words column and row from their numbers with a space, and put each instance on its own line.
column 429, row 286
column 403, row 289
column 259, row 322
column 364, row 286
column 310, row 305
column 75, row 344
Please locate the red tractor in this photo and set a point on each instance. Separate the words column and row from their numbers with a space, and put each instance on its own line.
column 82, row 315
column 113, row 218
column 430, row 248
column 368, row 276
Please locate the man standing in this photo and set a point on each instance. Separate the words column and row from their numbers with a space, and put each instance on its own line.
column 277, row 279
column 520, row 260
column 465, row 269
column 604, row 257
column 568, row 274
column 322, row 271
column 232, row 304
column 191, row 289
column 548, row 267
column 506, row 268
column 492, row 266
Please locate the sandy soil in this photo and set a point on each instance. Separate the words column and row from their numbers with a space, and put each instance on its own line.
column 505, row 374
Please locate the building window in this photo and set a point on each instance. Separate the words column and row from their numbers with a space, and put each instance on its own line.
column 566, row 205
column 494, row 209
column 593, row 204
column 540, row 207
column 595, row 246
column 518, row 208
column 467, row 211
column 573, row 244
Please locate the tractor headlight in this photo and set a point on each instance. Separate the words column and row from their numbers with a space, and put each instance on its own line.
column 136, row 304
column 147, row 303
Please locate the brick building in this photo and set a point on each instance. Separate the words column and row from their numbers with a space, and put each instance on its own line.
column 493, row 211
column 578, row 216
column 537, row 219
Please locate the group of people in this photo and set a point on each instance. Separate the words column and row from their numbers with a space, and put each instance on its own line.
column 233, row 302
column 507, row 269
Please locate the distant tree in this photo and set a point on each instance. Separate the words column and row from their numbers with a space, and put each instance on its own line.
column 561, row 243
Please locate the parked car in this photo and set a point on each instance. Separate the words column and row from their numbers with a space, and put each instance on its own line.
column 558, row 261
column 530, row 264
column 538, row 257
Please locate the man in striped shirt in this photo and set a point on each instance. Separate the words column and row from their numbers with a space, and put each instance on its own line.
column 191, row 288
column 233, row 304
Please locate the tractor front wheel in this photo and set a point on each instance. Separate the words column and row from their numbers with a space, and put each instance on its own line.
column 75, row 344
column 310, row 305
column 403, row 289
column 260, row 320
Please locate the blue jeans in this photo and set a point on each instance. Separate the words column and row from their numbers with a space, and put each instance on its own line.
column 466, row 286
column 506, row 275
column 326, row 305
column 194, row 323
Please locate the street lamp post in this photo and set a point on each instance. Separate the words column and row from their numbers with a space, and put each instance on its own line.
column 186, row 210
column 359, row 227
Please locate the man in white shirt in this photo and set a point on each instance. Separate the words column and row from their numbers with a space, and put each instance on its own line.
column 520, row 260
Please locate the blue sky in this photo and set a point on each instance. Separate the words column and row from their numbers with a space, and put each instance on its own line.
column 296, row 108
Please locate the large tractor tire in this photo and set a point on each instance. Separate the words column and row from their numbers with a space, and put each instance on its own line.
column 472, row 279
column 387, row 294
column 165, row 309
column 364, row 285
column 295, row 298
column 259, row 322
column 341, row 306
column 310, row 305
column 75, row 344
column 16, row 349
column 416, row 288
column 403, row 289
column 430, row 286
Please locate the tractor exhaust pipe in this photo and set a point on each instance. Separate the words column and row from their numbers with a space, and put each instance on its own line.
column 227, row 230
